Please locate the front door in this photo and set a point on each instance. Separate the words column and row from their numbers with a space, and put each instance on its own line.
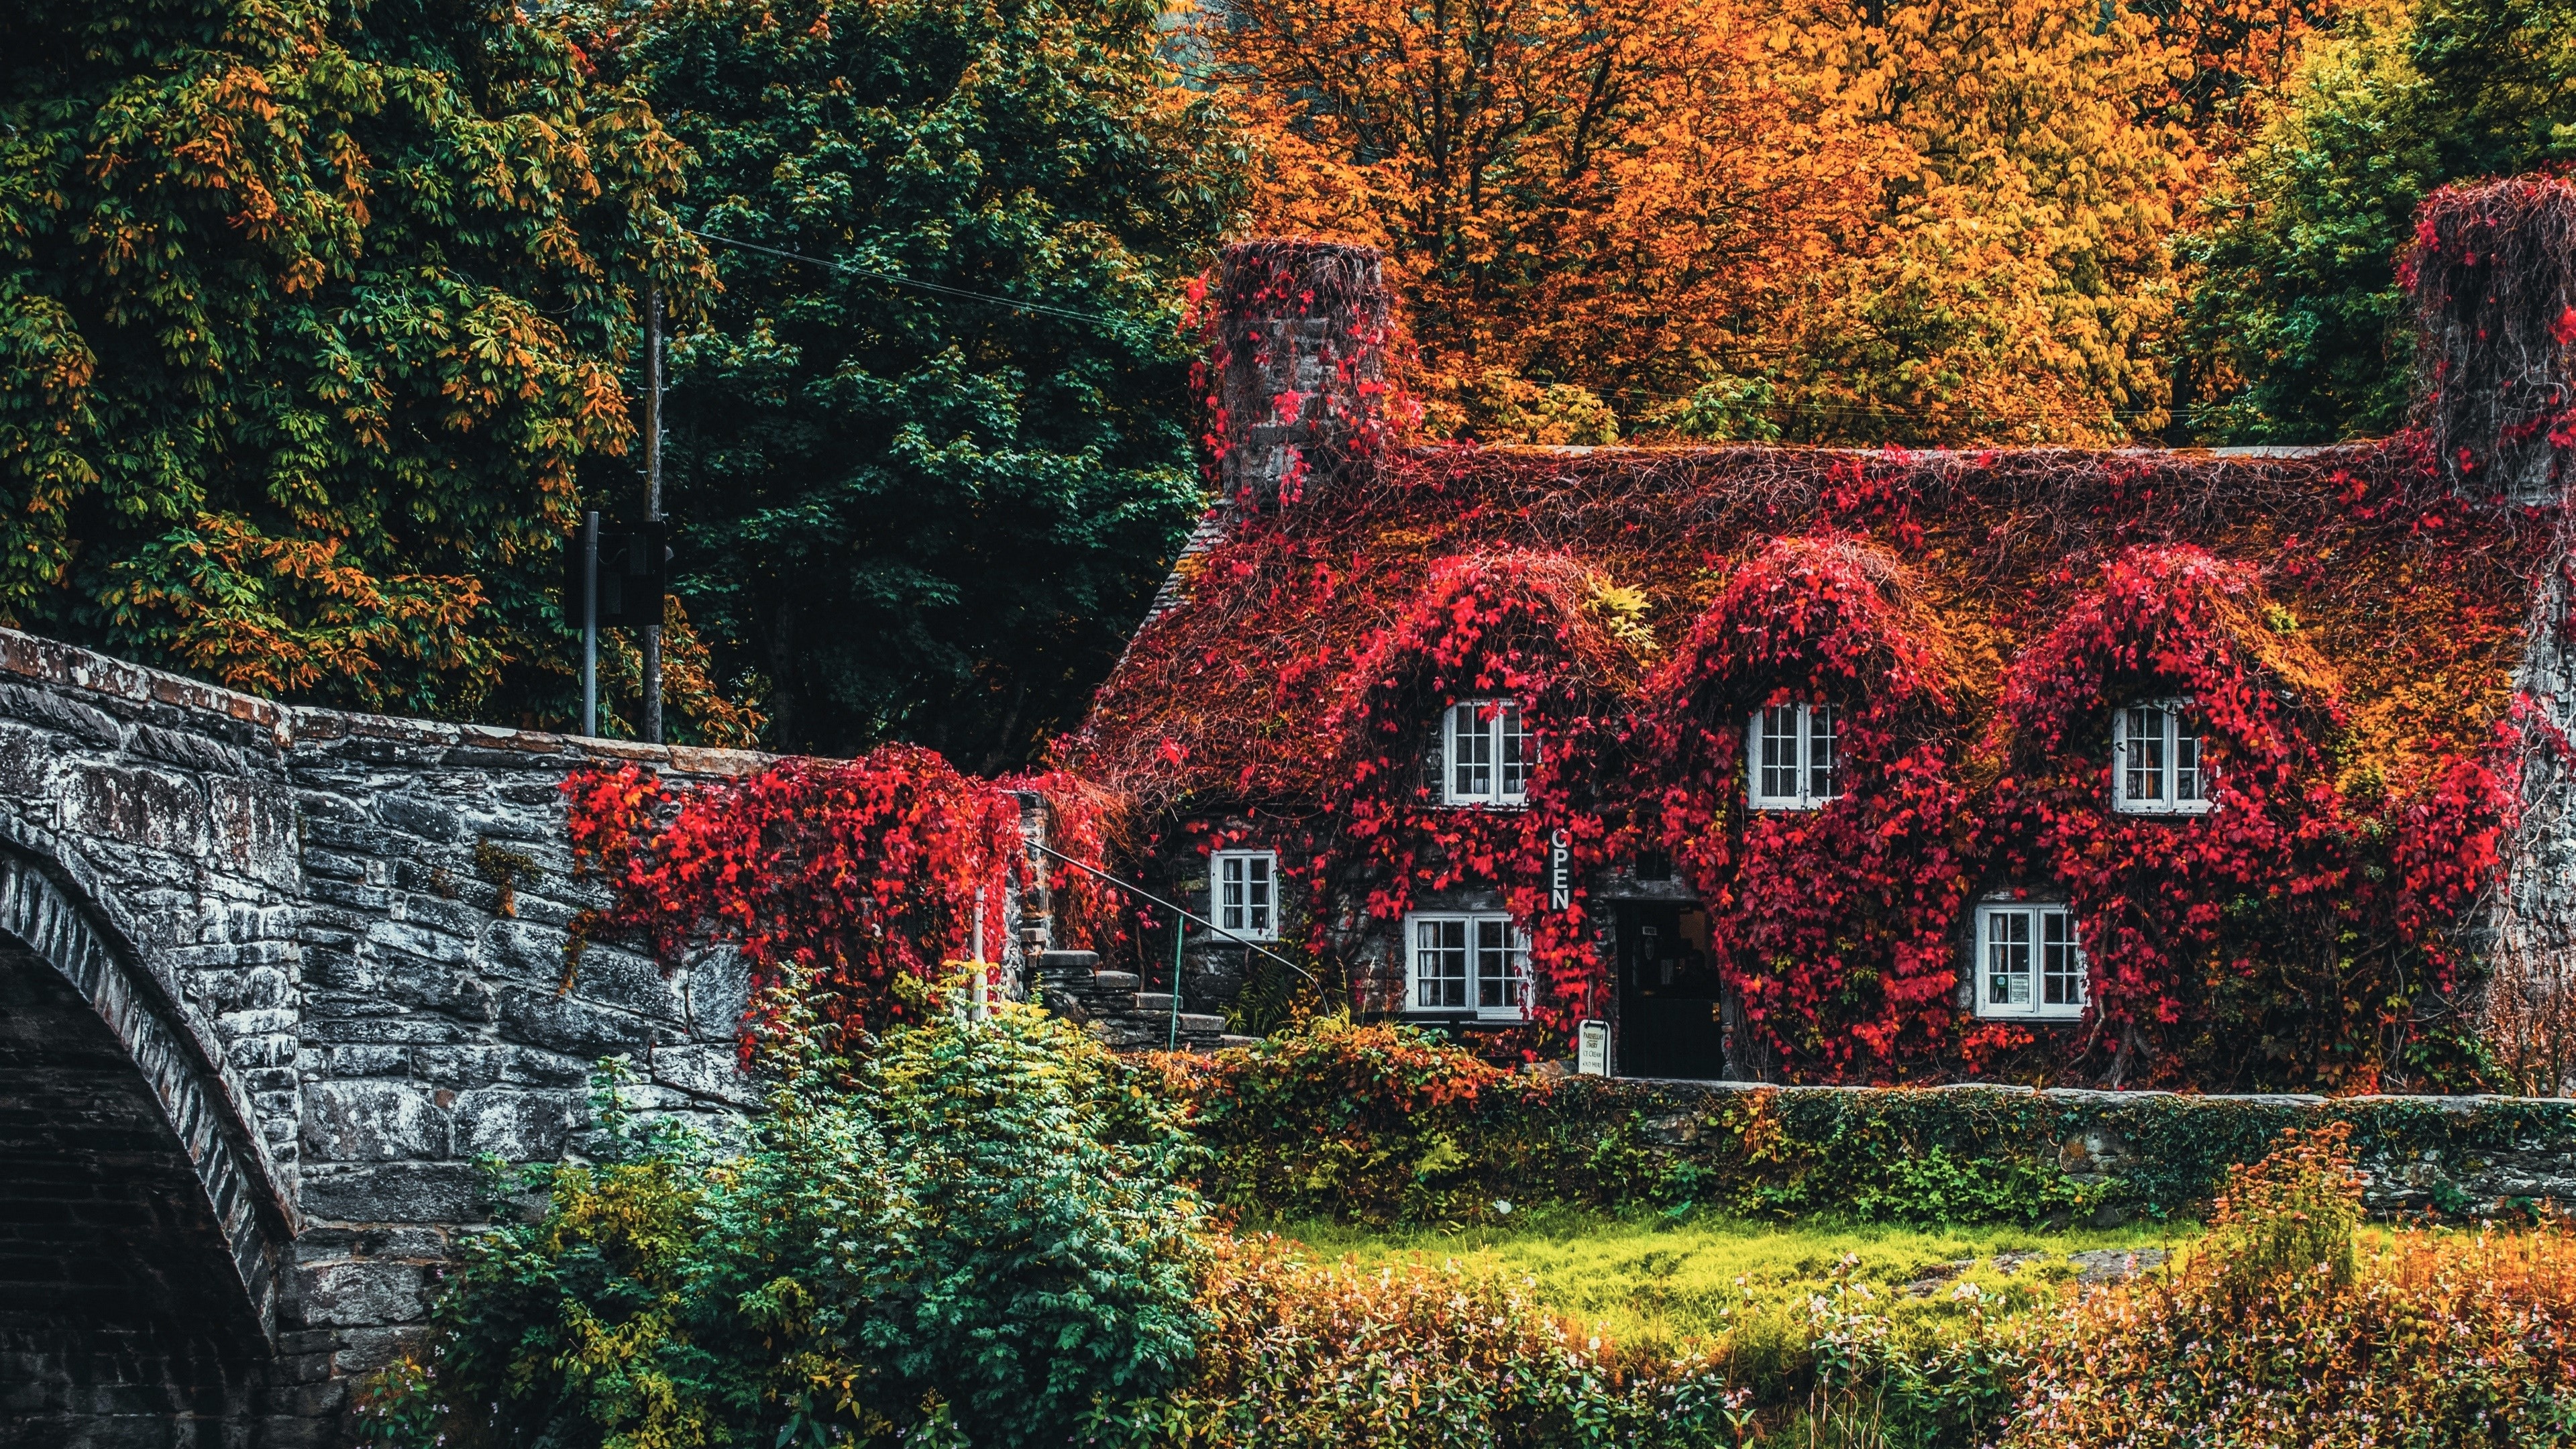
column 1671, row 1022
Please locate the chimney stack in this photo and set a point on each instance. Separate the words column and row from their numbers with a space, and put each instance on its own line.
column 1296, row 368
column 2493, row 276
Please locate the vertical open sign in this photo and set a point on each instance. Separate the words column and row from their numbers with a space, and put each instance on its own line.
column 1560, row 871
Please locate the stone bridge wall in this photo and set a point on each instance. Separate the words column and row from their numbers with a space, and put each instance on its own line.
column 271, row 980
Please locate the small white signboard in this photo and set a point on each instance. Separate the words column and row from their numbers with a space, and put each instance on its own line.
column 1592, row 1049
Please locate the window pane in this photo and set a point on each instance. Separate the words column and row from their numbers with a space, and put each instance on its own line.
column 1519, row 752
column 1440, row 964
column 1471, row 754
column 2186, row 759
column 2008, row 958
column 2061, row 962
column 1824, row 752
column 1257, row 892
column 1779, row 761
column 2146, row 747
column 1230, row 894
column 1497, row 985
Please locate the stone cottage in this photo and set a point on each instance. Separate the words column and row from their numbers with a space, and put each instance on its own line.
column 2229, row 769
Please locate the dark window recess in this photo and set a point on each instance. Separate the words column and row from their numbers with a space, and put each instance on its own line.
column 1654, row 865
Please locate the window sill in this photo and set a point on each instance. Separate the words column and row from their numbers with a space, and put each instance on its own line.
column 2196, row 807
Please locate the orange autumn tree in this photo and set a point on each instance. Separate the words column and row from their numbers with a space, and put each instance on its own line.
column 1620, row 196
column 1928, row 221
column 2015, row 284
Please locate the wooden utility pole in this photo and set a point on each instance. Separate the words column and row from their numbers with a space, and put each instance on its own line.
column 653, row 502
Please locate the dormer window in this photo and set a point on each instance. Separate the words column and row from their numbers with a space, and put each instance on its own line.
column 1490, row 754
column 2029, row 963
column 2156, row 766
column 1247, row 893
column 1796, row 755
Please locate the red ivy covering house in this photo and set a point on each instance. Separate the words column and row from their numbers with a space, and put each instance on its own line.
column 2131, row 767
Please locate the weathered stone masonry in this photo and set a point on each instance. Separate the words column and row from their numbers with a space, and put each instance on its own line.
column 262, row 1006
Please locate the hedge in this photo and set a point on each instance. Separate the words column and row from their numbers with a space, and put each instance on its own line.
column 1389, row 1123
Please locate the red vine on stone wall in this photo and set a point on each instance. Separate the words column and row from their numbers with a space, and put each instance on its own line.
column 848, row 876
column 1509, row 626
column 2300, row 915
column 2493, row 273
column 1834, row 926
column 1262, row 301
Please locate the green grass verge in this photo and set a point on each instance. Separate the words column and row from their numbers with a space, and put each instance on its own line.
column 1657, row 1281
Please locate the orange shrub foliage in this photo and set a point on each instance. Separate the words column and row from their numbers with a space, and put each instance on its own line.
column 2275, row 1334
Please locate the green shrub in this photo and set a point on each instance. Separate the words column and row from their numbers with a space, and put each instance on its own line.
column 977, row 1233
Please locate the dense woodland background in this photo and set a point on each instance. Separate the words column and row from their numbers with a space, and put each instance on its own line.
column 319, row 319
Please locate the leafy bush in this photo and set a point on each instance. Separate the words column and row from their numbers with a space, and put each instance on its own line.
column 976, row 1233
column 1307, row 1354
column 1335, row 1118
column 2277, row 1334
column 2291, row 1214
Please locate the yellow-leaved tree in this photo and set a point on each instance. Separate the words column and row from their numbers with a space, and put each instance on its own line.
column 1932, row 221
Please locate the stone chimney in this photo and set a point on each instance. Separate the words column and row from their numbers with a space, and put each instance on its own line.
column 1296, row 368
column 2493, row 276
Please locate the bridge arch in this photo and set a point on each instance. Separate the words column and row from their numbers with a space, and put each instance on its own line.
column 142, row 1237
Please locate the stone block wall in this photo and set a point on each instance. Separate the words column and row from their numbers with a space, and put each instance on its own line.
column 272, row 981
column 445, row 1018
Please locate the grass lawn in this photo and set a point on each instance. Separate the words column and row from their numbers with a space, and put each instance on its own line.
column 1654, row 1280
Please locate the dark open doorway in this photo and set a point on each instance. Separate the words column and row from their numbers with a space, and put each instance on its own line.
column 1670, row 1022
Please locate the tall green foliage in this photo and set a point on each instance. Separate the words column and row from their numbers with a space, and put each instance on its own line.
column 977, row 1237
column 918, row 513
column 2298, row 306
column 309, row 312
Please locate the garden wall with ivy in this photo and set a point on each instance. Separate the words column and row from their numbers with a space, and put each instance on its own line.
column 1391, row 1124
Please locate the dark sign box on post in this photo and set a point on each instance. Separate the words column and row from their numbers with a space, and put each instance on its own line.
column 630, row 575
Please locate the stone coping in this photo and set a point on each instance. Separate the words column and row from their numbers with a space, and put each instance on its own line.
column 53, row 662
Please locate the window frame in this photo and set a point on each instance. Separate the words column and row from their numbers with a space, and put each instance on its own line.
column 1514, row 948
column 2036, row 915
column 2168, row 747
column 1495, row 737
column 1218, row 860
column 1805, row 769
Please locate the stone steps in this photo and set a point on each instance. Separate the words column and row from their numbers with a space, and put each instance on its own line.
column 1113, row 1006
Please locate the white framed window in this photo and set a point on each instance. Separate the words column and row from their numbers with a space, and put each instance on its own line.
column 1466, row 962
column 1490, row 753
column 1795, row 756
column 1247, row 893
column 2029, row 962
column 2156, row 760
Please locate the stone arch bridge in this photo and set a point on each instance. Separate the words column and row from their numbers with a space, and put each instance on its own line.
column 271, row 981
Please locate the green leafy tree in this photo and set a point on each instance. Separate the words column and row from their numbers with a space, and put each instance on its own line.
column 310, row 312
column 977, row 1237
column 2297, row 320
column 917, row 512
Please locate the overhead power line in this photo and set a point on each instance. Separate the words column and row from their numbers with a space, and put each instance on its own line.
column 898, row 280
